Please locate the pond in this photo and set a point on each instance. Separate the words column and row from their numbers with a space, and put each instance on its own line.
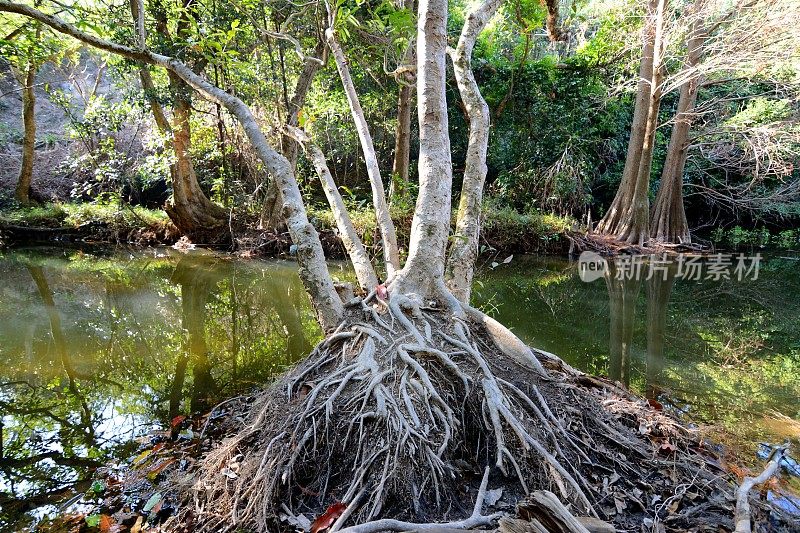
column 100, row 348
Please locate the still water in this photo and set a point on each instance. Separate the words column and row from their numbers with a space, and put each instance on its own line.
column 98, row 348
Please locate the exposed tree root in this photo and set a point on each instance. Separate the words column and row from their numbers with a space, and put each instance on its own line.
column 395, row 412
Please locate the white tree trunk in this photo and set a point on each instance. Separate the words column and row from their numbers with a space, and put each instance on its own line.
column 424, row 270
column 464, row 248
column 352, row 243
column 390, row 250
column 313, row 270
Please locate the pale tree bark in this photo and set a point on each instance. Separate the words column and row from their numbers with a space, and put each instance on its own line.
column 402, row 139
column 313, row 270
column 391, row 254
column 668, row 222
column 365, row 274
column 464, row 248
column 23, row 189
column 628, row 216
column 424, row 269
column 271, row 217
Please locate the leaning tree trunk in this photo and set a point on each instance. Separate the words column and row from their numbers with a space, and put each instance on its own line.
column 668, row 222
column 23, row 189
column 628, row 216
column 464, row 249
column 391, row 253
column 365, row 274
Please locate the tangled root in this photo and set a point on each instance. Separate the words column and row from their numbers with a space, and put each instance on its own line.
column 393, row 415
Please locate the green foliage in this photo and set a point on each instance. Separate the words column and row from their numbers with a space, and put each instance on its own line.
column 54, row 215
column 739, row 237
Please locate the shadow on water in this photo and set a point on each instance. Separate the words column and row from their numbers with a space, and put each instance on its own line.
column 99, row 352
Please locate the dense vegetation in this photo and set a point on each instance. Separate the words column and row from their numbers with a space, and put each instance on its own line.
column 560, row 111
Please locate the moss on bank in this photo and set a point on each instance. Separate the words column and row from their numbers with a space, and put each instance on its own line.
column 106, row 222
column 504, row 230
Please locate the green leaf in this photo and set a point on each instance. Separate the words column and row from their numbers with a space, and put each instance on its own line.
column 92, row 520
column 152, row 502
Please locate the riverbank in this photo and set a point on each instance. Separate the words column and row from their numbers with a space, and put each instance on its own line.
column 504, row 232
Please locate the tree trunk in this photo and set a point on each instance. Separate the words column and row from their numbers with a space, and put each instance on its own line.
column 402, row 144
column 554, row 32
column 402, row 139
column 365, row 274
column 23, row 189
column 190, row 210
column 668, row 222
column 271, row 217
column 146, row 79
column 391, row 253
column 464, row 248
column 628, row 216
column 430, row 227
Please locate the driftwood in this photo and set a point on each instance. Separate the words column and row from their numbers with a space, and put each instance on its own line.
column 742, row 516
column 543, row 512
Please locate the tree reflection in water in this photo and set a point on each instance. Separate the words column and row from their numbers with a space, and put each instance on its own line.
column 98, row 351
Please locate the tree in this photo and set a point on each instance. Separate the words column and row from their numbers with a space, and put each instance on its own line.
column 26, row 48
column 628, row 217
column 410, row 382
column 720, row 41
column 668, row 222
column 749, row 39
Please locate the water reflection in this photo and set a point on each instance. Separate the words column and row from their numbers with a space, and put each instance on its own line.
column 99, row 350
column 726, row 351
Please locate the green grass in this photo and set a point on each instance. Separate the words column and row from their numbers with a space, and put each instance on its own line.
column 55, row 215
column 503, row 228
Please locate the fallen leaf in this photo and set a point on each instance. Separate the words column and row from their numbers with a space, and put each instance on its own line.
column 326, row 519
column 152, row 502
column 142, row 457
column 177, row 420
column 508, row 259
column 655, row 404
column 155, row 470
column 137, row 527
column 106, row 522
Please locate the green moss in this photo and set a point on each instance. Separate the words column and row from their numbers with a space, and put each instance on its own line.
column 73, row 215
